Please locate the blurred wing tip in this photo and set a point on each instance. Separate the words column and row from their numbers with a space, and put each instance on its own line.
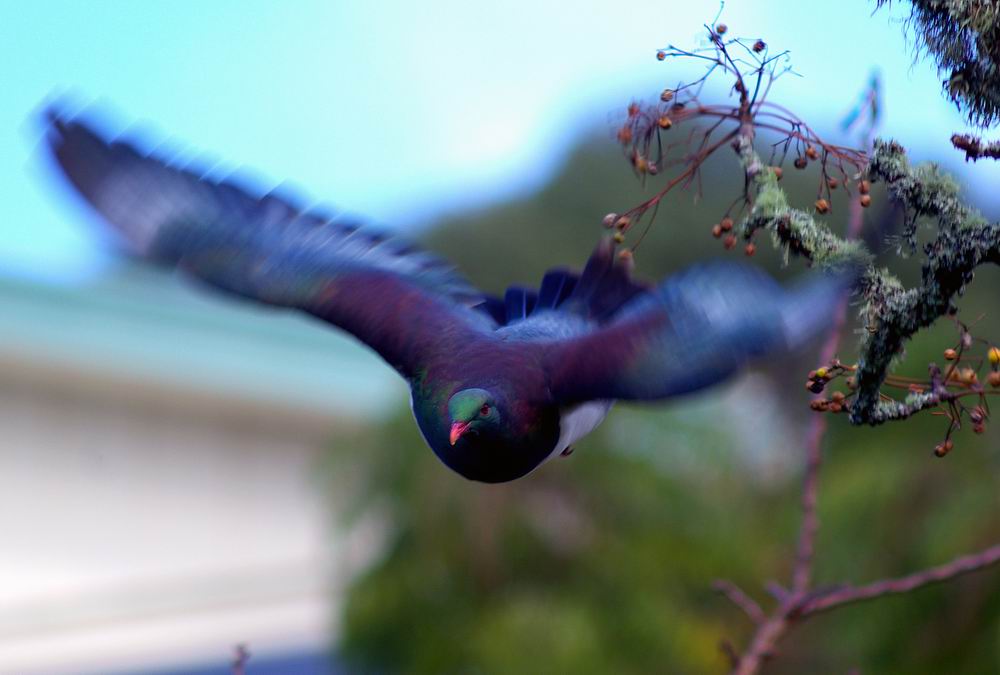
column 157, row 194
column 54, row 123
column 58, row 117
column 812, row 304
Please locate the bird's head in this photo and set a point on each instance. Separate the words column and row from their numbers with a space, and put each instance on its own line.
column 472, row 412
column 486, row 436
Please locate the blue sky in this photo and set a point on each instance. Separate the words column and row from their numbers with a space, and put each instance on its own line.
column 399, row 110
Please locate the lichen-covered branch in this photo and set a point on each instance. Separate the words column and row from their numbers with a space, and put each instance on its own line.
column 963, row 241
column 794, row 230
column 960, row 241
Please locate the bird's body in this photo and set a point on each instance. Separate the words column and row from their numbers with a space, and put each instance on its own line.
column 497, row 385
column 508, row 362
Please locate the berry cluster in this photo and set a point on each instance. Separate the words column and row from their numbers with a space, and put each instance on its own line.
column 945, row 391
column 674, row 136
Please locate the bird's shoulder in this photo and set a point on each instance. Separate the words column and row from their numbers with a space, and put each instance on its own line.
column 552, row 324
column 567, row 304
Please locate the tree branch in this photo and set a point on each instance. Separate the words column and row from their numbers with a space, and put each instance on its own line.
column 802, row 572
column 849, row 594
column 798, row 607
column 975, row 148
column 241, row 656
column 738, row 597
column 964, row 241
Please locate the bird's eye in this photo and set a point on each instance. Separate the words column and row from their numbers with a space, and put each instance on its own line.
column 485, row 410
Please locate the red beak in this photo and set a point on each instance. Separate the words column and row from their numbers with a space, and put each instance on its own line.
column 457, row 429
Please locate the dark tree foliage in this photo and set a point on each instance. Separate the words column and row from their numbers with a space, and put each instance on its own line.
column 963, row 38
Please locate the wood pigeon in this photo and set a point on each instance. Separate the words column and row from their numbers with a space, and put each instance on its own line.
column 498, row 386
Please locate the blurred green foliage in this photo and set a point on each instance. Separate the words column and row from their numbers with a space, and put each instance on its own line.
column 603, row 562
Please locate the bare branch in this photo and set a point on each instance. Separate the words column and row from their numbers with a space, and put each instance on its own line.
column 802, row 572
column 738, row 597
column 241, row 656
column 950, row 570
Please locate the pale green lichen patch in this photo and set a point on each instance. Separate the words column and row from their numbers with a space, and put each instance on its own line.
column 962, row 240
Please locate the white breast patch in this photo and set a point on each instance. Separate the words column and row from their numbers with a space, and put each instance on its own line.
column 578, row 421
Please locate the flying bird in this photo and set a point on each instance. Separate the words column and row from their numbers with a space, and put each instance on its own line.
column 498, row 385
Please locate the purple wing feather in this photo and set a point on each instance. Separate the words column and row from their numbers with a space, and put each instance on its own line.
column 596, row 294
column 402, row 302
column 694, row 330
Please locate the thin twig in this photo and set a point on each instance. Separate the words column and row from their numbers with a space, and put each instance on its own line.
column 814, row 445
column 241, row 655
column 845, row 595
column 738, row 597
column 773, row 628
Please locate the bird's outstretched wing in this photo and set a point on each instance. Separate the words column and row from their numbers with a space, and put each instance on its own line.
column 693, row 330
column 400, row 301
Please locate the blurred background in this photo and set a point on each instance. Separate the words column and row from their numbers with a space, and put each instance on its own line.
column 180, row 473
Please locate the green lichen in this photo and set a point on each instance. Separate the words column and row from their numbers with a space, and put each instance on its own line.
column 963, row 241
column 892, row 313
column 793, row 230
